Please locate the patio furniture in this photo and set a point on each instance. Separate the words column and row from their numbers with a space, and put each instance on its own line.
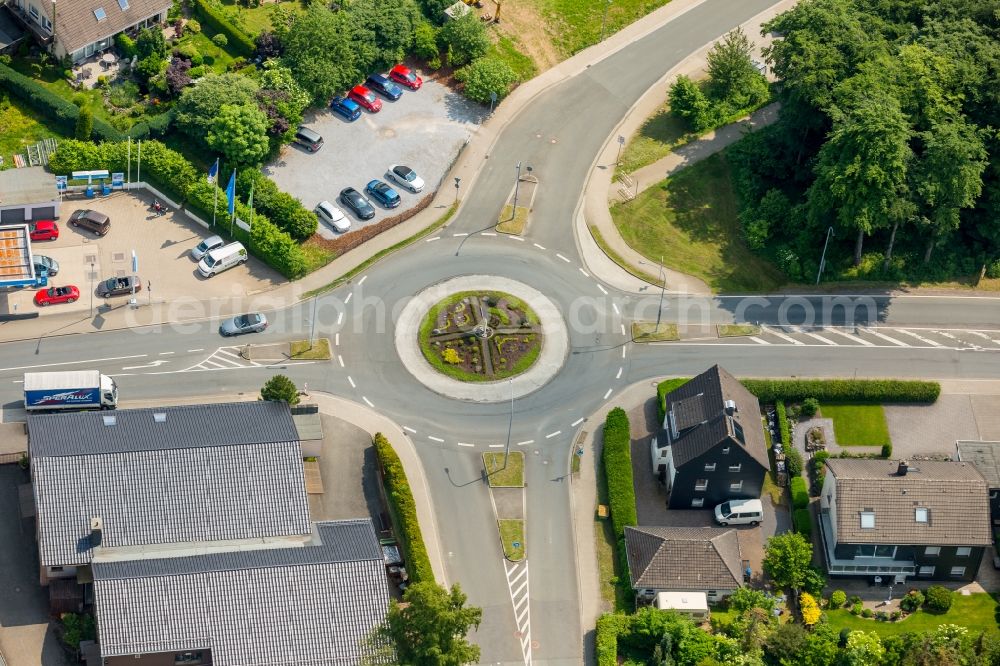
column 108, row 59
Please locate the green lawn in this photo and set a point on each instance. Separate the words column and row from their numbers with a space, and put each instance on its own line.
column 318, row 349
column 507, row 49
column 660, row 134
column 51, row 76
column 256, row 19
column 577, row 23
column 510, row 223
column 976, row 612
column 511, row 532
column 216, row 59
column 510, row 475
column 18, row 129
column 690, row 220
column 737, row 330
column 648, row 331
column 858, row 425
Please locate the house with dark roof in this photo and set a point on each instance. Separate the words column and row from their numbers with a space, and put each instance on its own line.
column 711, row 447
column 985, row 457
column 895, row 520
column 170, row 480
column 684, row 559
column 312, row 604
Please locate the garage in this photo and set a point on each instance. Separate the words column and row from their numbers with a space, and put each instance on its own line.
column 13, row 215
column 28, row 194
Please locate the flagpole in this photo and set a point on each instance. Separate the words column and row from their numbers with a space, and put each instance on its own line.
column 215, row 189
column 232, row 218
column 128, row 162
column 251, row 213
column 138, row 164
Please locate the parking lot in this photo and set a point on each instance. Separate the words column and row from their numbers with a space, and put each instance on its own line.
column 423, row 130
column 162, row 245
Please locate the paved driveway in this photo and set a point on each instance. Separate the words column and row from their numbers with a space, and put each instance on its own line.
column 424, row 130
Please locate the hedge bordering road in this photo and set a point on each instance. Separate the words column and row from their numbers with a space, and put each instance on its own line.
column 858, row 391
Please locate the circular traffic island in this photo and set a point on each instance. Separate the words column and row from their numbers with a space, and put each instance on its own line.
column 481, row 336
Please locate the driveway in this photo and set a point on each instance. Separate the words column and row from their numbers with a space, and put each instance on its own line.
column 347, row 466
column 424, row 129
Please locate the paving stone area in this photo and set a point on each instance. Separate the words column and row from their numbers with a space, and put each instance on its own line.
column 933, row 429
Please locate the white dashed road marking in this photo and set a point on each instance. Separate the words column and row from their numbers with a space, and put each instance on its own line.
column 577, row 422
column 882, row 336
column 553, row 434
column 526, row 442
column 435, row 439
column 367, row 401
column 348, row 299
column 362, row 280
column 603, row 290
column 464, row 444
column 562, row 257
column 608, row 394
column 409, row 429
column 538, row 246
column 353, row 385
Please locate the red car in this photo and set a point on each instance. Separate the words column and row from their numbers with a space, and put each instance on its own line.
column 56, row 295
column 365, row 98
column 44, row 230
column 404, row 76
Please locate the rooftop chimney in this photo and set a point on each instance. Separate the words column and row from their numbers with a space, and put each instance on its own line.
column 903, row 468
column 96, row 527
column 730, row 407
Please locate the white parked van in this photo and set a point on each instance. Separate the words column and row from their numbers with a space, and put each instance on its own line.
column 222, row 258
column 739, row 512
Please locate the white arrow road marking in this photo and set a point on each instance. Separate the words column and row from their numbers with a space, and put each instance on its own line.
column 93, row 360
column 517, row 584
column 152, row 364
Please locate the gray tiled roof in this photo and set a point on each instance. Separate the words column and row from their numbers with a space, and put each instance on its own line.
column 684, row 558
column 314, row 604
column 76, row 25
column 954, row 493
column 702, row 420
column 187, row 426
column 985, row 456
column 215, row 493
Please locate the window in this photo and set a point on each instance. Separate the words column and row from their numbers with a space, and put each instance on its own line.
column 932, row 551
column 698, row 503
column 123, row 4
column 55, row 569
column 868, row 520
column 957, row 572
column 99, row 14
column 864, row 551
column 709, row 467
column 885, row 551
column 926, row 571
column 725, row 451
column 964, row 551
column 738, row 431
column 46, row 24
column 33, row 11
column 701, row 484
column 735, row 468
column 736, row 487
column 921, row 515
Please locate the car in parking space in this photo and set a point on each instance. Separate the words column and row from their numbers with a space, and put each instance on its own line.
column 404, row 76
column 47, row 264
column 384, row 87
column 253, row 322
column 333, row 216
column 347, row 109
column 406, row 177
column 119, row 286
column 365, row 98
column 357, row 202
column 91, row 220
column 308, row 139
column 382, row 193
column 43, row 230
column 56, row 295
column 206, row 246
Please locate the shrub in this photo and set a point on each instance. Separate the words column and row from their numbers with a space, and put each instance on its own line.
column 193, row 27
column 486, row 76
column 280, row 388
column 809, row 407
column 617, row 460
column 993, row 269
column 609, row 626
column 800, row 494
column 84, row 124
column 803, row 522
column 241, row 42
column 856, row 608
column 809, row 608
column 197, row 72
column 867, row 391
column 450, row 355
column 895, row 615
column 913, row 600
column 881, row 616
column 465, row 39
column 868, row 612
column 854, row 599
column 665, row 387
column 220, row 40
column 425, row 41
column 190, row 52
column 126, row 45
column 887, row 450
column 838, row 599
column 404, row 510
column 689, row 103
column 938, row 599
column 293, row 218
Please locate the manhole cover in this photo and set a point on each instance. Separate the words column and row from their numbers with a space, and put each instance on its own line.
column 118, row 256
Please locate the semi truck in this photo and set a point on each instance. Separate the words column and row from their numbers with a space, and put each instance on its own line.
column 69, row 390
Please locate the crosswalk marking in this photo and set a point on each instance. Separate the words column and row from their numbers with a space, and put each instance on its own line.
column 819, row 337
column 786, row 338
column 517, row 585
column 921, row 338
column 885, row 337
column 850, row 336
column 759, row 341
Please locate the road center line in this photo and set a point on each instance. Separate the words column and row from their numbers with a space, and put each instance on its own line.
column 336, row 339
column 619, row 375
column 615, row 306
column 353, row 385
column 577, row 422
column 191, row 351
column 348, row 299
column 553, row 434
column 340, row 318
column 526, row 442
column 603, row 290
column 496, row 446
column 93, row 360
column 461, row 234
column 464, row 444
column 367, row 401
column 341, row 360
column 431, row 240
column 488, row 233
column 166, row 353
column 585, row 273
column 434, row 439
column 607, row 394
column 409, row 429
column 540, row 247
column 562, row 257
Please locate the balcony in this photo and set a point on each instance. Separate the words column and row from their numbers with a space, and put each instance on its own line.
column 24, row 18
column 859, row 566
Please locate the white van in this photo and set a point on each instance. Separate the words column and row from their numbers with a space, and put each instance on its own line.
column 739, row 512
column 222, row 258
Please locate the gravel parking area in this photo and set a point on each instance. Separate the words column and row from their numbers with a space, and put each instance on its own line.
column 423, row 130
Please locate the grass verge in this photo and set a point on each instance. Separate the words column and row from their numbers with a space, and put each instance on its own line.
column 510, row 52
column 690, row 220
column 512, row 222
column 609, row 569
column 976, row 612
column 316, row 350
column 737, row 330
column 577, row 25
column 511, row 532
column 647, row 331
column 19, row 129
column 499, row 475
column 858, row 425
column 618, row 259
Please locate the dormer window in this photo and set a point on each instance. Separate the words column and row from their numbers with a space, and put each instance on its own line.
column 922, row 515
column 868, row 520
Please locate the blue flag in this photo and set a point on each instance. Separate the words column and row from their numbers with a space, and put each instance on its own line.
column 231, row 193
column 213, row 171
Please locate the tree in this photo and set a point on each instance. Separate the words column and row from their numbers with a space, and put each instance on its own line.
column 786, row 643
column 177, row 75
column 387, row 26
column 240, row 133
column 863, row 649
column 267, row 45
column 809, row 608
column 746, row 598
column 786, row 558
column 84, row 124
column 485, row 76
column 280, row 389
column 430, row 627
column 199, row 105
column 689, row 103
column 425, row 40
column 321, row 51
column 733, row 80
column 465, row 39
column 434, row 9
column 150, row 44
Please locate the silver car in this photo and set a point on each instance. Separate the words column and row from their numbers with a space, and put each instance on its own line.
column 206, row 246
column 406, row 177
column 43, row 263
column 333, row 216
column 254, row 322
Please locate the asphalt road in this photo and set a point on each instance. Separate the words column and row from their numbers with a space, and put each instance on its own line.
column 558, row 134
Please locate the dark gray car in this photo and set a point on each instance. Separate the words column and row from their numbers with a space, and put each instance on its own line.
column 357, row 202
column 254, row 322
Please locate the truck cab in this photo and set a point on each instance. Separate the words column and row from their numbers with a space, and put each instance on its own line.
column 109, row 392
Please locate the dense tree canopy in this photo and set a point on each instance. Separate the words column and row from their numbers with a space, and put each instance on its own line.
column 430, row 627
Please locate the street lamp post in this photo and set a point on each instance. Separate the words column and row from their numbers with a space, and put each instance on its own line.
column 604, row 21
column 91, row 290
column 457, row 181
column 822, row 260
column 663, row 288
column 312, row 324
column 517, row 181
column 510, row 424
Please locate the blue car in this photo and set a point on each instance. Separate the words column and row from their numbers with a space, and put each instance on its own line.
column 345, row 108
column 384, row 87
column 382, row 193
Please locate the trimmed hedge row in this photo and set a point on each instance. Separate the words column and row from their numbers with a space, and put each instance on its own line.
column 51, row 105
column 863, row 391
column 238, row 39
column 800, row 494
column 618, row 471
column 606, row 637
column 665, row 387
column 803, row 522
column 170, row 172
column 282, row 208
column 404, row 510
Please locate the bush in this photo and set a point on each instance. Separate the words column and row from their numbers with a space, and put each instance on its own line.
column 84, row 125
column 617, row 460
column 404, row 511
column 803, row 522
column 220, row 40
column 887, row 450
column 865, row 391
column 800, row 494
column 190, row 52
column 856, row 608
column 854, row 599
column 192, row 27
column 838, row 599
column 868, row 612
column 465, row 39
column 665, row 387
column 425, row 41
column 689, row 103
column 913, row 600
column 881, row 616
column 280, row 388
column 809, row 407
column 126, row 45
column 938, row 599
column 895, row 615
column 993, row 269
column 609, row 626
column 484, row 77
column 241, row 42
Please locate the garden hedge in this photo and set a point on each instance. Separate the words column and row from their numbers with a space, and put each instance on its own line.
column 863, row 391
column 282, row 208
column 50, row 105
column 800, row 493
column 665, row 387
column 606, row 638
column 238, row 40
column 618, row 471
column 404, row 511
column 803, row 522
column 793, row 459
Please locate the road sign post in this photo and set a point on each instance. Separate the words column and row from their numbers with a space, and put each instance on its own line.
column 493, row 100
column 621, row 144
